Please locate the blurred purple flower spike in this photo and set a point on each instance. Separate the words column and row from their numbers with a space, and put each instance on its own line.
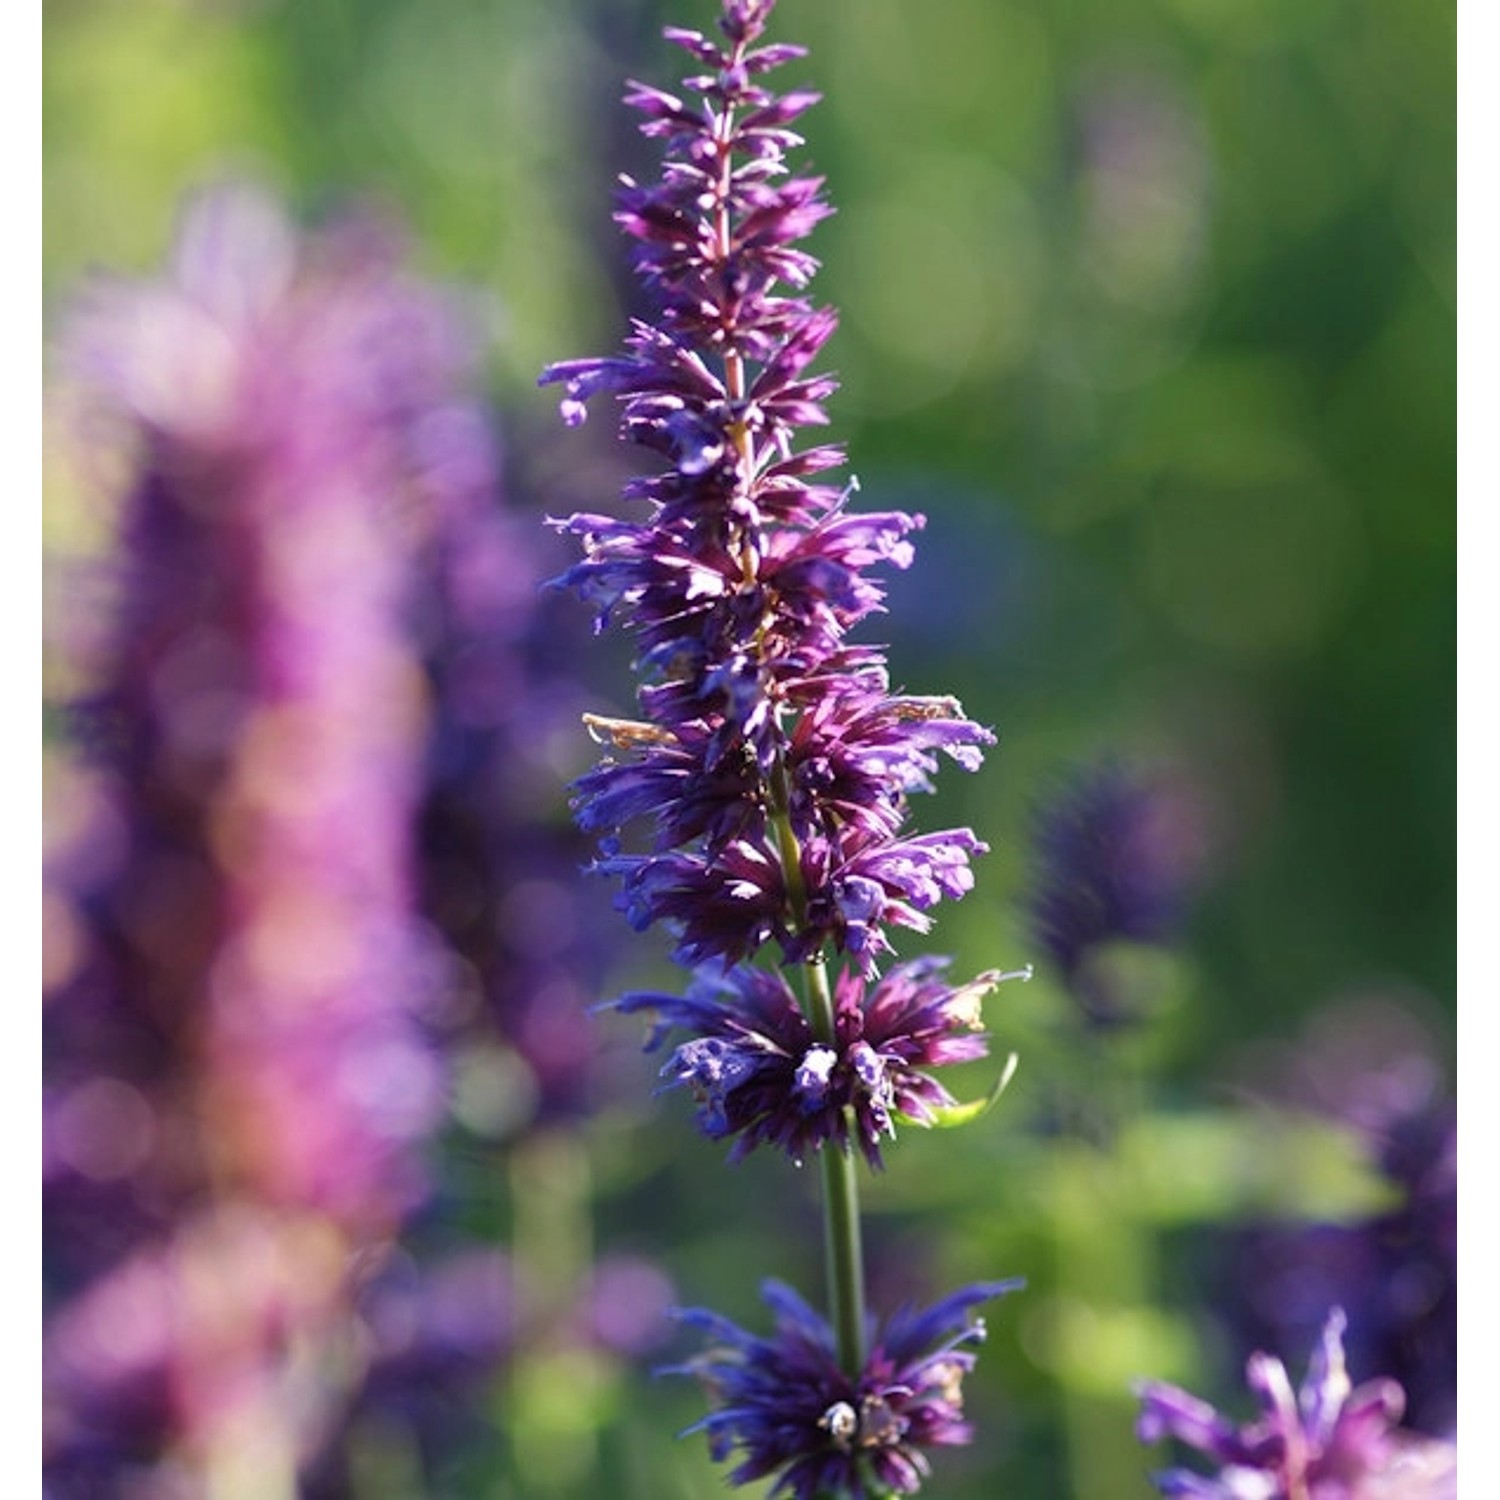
column 283, row 402
column 238, row 1079
column 1116, row 852
column 1373, row 1067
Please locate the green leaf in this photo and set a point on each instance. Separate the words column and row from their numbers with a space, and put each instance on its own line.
column 963, row 1114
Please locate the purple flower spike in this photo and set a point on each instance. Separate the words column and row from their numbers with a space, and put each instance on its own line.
column 1330, row 1440
column 773, row 764
column 762, row 797
column 787, row 1409
column 761, row 1077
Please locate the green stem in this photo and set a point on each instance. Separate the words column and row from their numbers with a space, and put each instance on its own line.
column 841, row 1229
column 791, row 872
column 841, row 1232
column 843, row 1252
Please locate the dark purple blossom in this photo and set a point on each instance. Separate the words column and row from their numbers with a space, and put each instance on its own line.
column 1330, row 1440
column 1115, row 853
column 761, row 1076
column 774, row 765
column 784, row 1407
column 726, row 906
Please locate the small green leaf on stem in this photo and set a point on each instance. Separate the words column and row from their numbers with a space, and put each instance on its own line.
column 964, row 1114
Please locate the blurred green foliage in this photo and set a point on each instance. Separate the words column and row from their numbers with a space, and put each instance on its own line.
column 1149, row 305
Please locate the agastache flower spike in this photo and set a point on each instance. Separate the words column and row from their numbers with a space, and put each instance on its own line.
column 771, row 769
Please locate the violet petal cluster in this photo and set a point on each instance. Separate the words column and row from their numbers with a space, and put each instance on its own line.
column 761, row 1077
column 765, row 730
column 785, row 1407
column 1328, row 1440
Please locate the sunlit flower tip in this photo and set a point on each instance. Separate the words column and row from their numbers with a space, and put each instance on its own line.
column 1330, row 1440
column 964, row 1006
column 762, row 1077
column 784, row 1407
column 743, row 577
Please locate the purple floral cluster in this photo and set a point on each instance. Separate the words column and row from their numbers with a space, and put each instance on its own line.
column 286, row 411
column 761, row 801
column 788, row 1407
column 1329, row 1440
column 753, row 1054
column 774, row 766
column 1373, row 1068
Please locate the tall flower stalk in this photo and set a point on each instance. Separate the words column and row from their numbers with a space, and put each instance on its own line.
column 770, row 771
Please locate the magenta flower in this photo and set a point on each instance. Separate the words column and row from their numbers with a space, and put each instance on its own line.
column 784, row 1406
column 1330, row 1440
column 289, row 408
